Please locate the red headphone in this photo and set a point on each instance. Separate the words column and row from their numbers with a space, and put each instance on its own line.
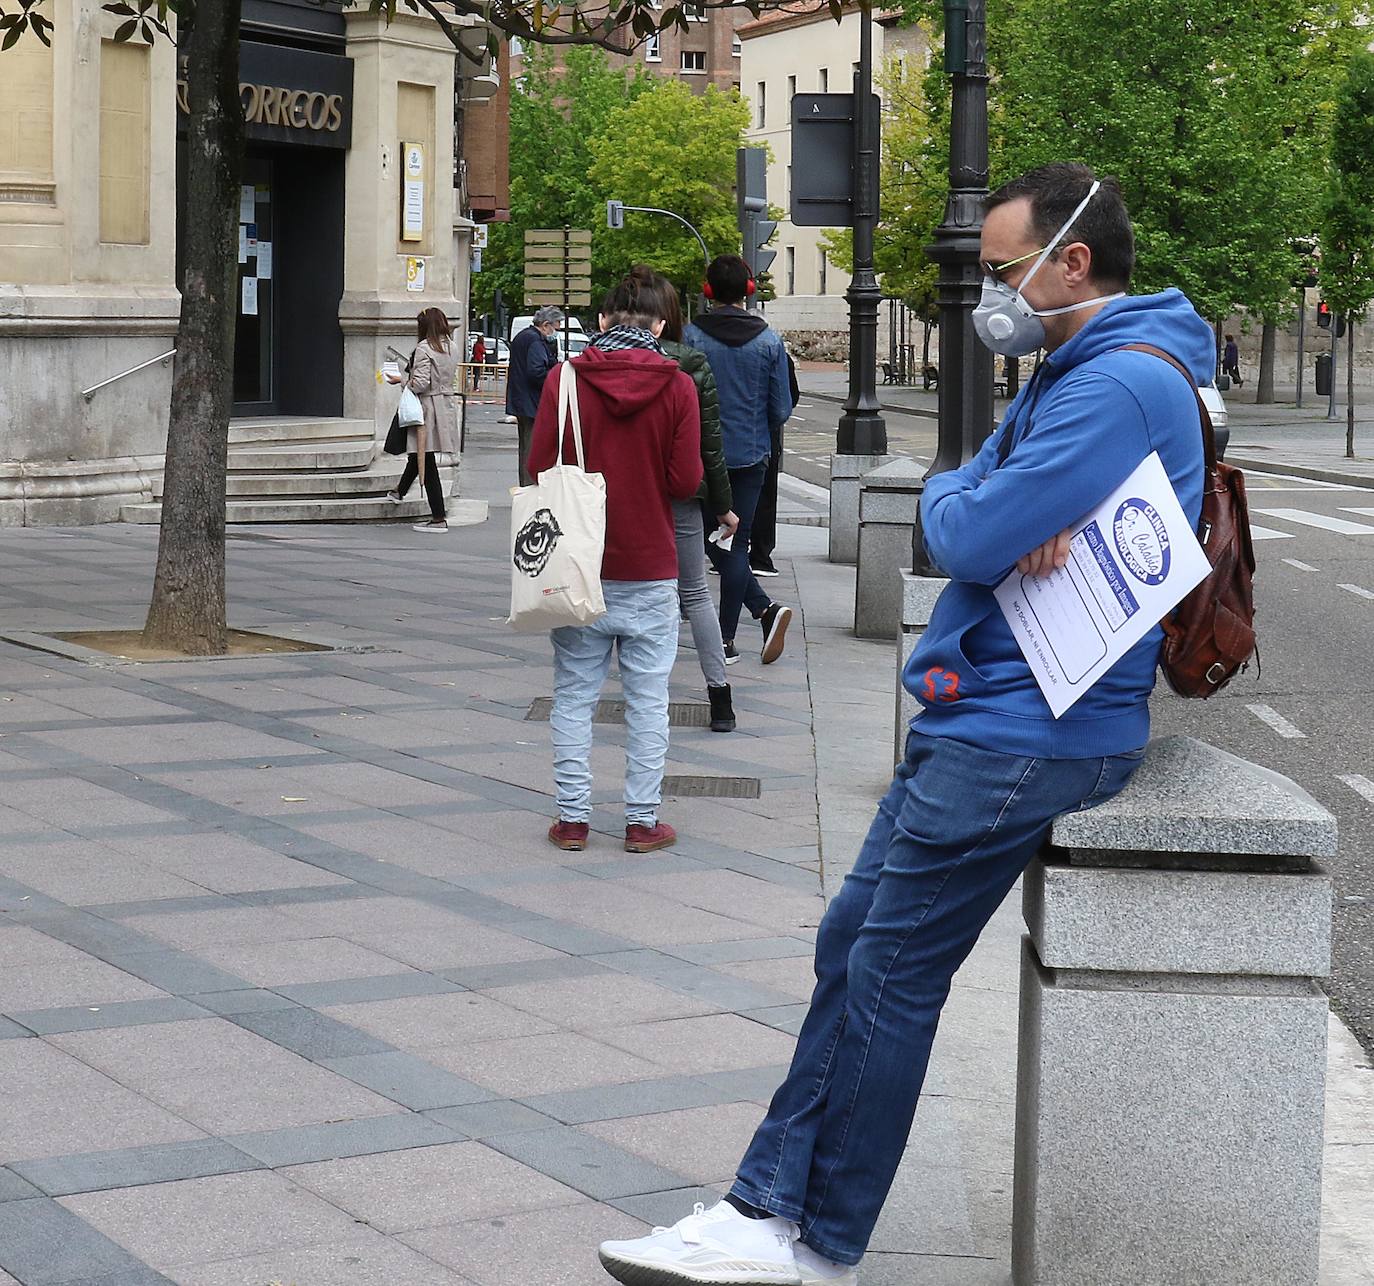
column 749, row 286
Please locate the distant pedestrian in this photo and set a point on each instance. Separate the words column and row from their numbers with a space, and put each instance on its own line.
column 712, row 503
column 532, row 356
column 641, row 431
column 479, row 356
column 750, row 367
column 431, row 375
column 1230, row 361
column 763, row 539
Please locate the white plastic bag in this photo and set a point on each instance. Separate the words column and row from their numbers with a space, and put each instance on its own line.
column 558, row 534
column 410, row 413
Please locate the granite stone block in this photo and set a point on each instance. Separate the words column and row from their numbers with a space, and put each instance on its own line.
column 845, row 472
column 408, row 1080
column 599, row 1169
column 497, row 1116
column 311, row 1035
column 15, row 1188
column 133, row 1167
column 129, row 1013
column 309, row 1143
column 41, row 1244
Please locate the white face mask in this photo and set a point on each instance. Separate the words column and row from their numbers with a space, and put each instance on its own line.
column 1006, row 322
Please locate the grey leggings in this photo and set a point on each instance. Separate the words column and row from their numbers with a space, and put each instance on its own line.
column 693, row 594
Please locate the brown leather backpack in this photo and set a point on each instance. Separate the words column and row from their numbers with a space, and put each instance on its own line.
column 1210, row 636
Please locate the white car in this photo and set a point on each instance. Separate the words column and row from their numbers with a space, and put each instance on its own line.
column 497, row 350
column 1216, row 409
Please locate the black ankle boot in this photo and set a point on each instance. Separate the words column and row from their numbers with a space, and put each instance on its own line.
column 722, row 712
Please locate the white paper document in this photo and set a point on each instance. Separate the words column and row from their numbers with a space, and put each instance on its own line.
column 264, row 261
column 250, row 297
column 247, row 203
column 1131, row 562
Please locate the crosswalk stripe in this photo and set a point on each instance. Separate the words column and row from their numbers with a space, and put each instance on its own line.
column 1267, row 714
column 1359, row 590
column 1301, row 566
column 1357, row 509
column 1360, row 785
column 1268, row 533
column 1340, row 525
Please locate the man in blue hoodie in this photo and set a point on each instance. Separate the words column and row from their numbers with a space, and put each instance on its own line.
column 987, row 766
column 750, row 368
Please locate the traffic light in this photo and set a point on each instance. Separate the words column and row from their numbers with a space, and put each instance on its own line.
column 758, row 232
column 1324, row 315
column 615, row 215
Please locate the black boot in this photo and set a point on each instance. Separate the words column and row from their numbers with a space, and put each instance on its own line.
column 722, row 712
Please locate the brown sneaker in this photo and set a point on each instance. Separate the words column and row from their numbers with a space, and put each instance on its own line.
column 648, row 839
column 569, row 835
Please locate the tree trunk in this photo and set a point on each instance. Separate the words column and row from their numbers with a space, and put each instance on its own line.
column 187, row 612
column 1350, row 388
column 1264, row 386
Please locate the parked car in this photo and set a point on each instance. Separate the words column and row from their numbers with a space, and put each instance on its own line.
column 1216, row 408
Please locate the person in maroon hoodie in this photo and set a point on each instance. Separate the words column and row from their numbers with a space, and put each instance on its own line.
column 641, row 429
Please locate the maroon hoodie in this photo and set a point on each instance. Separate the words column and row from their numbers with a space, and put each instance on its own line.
column 641, row 428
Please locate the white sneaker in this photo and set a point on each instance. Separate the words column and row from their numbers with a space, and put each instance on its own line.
column 719, row 1247
column 816, row 1268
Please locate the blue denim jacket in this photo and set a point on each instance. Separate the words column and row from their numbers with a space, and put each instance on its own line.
column 755, row 394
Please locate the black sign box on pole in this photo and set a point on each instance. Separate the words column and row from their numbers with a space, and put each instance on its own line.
column 823, row 159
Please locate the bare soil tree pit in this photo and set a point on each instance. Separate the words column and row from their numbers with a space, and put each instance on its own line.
column 127, row 645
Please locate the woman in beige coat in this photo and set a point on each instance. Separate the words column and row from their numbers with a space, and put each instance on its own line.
column 430, row 376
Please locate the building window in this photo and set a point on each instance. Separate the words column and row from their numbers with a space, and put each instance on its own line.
column 854, row 70
column 791, row 253
column 736, row 48
column 693, row 60
column 517, row 47
column 821, row 267
column 787, row 195
column 825, row 80
column 791, row 90
column 761, row 104
column 694, row 13
column 652, row 52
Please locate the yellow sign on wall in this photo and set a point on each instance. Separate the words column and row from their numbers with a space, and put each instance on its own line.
column 412, row 191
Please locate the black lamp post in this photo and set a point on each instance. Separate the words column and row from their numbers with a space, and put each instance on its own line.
column 965, row 364
column 862, row 429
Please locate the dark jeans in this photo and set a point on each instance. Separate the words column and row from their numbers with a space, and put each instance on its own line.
column 434, row 490
column 953, row 833
column 764, row 538
column 738, row 588
column 524, row 430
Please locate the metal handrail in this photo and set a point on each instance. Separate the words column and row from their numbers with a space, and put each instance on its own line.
column 89, row 393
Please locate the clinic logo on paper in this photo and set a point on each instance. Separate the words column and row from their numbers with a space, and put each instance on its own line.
column 941, row 685
column 1142, row 540
column 535, row 541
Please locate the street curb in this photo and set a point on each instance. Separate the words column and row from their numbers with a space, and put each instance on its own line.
column 882, row 406
column 1310, row 472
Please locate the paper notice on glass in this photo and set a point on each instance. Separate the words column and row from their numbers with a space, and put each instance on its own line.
column 250, row 297
column 247, row 203
column 1131, row 561
column 243, row 243
column 264, row 261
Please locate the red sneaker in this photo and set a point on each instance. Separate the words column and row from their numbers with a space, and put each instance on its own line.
column 648, row 839
column 569, row 835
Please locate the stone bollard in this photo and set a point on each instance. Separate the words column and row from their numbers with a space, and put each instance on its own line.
column 845, row 472
column 888, row 498
column 1173, row 1035
column 918, row 601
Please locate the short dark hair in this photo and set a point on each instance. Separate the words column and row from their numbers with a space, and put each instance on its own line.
column 631, row 302
column 728, row 276
column 1054, row 192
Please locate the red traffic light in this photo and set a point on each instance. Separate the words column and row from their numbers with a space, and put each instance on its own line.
column 1324, row 315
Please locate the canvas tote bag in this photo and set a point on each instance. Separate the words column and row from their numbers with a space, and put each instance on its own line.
column 558, row 534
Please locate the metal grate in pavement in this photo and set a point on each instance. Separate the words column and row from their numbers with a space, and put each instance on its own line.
column 712, row 787
column 681, row 714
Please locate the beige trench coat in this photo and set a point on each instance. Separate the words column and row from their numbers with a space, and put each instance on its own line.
column 432, row 378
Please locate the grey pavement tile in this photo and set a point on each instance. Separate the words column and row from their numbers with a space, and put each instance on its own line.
column 793, row 976
column 178, row 972
column 596, row 1001
column 715, row 1043
column 194, row 1220
column 590, row 1165
column 42, row 1244
column 732, row 893
column 783, row 1018
column 420, row 1022
column 398, row 1191
column 103, row 939
column 438, row 950
column 934, row 1270
column 129, row 1013
column 409, row 1081
column 665, row 1208
column 389, row 986
column 297, row 961
column 720, row 989
column 703, row 1143
column 498, row 1116
column 489, row 977
column 638, row 1098
column 12, row 1030
column 233, row 924
column 335, row 1139
column 244, row 1000
column 311, row 1035
column 746, row 949
column 575, row 939
column 546, row 1064
column 21, row 945
column 365, row 1259
column 14, row 1188
column 52, row 985
column 547, row 1247
column 133, row 1167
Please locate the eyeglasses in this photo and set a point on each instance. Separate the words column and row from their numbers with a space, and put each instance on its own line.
column 996, row 271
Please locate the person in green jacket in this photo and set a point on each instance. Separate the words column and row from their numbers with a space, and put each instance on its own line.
column 689, row 515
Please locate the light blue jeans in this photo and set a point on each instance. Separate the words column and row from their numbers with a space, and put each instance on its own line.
column 640, row 625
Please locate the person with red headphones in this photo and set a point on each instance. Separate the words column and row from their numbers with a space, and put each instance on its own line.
column 750, row 368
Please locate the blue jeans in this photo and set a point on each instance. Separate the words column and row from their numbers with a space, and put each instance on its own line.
column 953, row 833
column 738, row 588
column 641, row 626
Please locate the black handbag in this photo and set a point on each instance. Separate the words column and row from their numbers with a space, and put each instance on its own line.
column 396, row 436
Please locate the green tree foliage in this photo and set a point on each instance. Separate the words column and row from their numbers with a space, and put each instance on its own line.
column 1348, row 225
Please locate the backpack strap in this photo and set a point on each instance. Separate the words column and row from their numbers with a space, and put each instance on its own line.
column 1209, row 442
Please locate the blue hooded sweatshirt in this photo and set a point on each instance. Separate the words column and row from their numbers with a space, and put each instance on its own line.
column 1078, row 429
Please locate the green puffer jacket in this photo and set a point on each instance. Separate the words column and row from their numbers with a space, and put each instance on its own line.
column 715, row 487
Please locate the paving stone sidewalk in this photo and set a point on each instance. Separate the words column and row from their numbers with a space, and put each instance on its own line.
column 292, row 989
